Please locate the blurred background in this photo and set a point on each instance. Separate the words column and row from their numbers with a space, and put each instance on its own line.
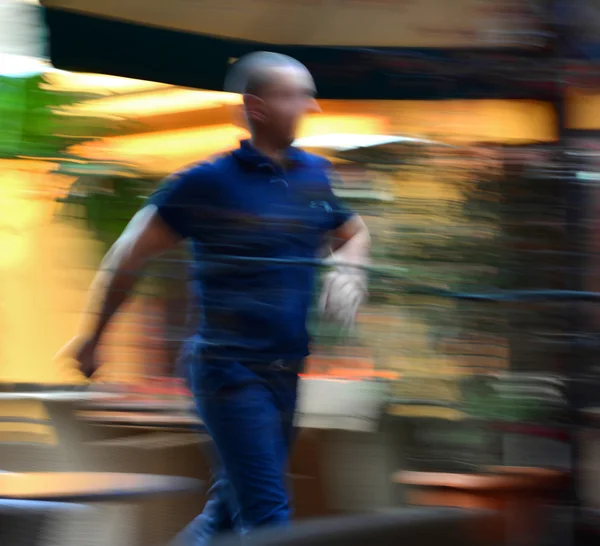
column 436, row 179
column 466, row 133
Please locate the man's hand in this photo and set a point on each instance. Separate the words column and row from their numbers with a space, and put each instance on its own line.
column 345, row 286
column 344, row 290
column 82, row 349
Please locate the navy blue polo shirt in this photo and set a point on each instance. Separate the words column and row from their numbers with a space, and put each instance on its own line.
column 250, row 221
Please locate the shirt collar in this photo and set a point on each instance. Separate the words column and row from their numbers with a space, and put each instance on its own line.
column 248, row 154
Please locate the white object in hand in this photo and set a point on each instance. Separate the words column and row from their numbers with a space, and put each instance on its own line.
column 344, row 289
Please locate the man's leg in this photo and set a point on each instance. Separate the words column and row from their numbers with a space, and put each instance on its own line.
column 250, row 437
column 220, row 513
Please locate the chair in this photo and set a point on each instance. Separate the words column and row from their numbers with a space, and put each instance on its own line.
column 29, row 523
column 414, row 527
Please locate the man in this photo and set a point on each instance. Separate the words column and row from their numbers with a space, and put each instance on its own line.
column 256, row 218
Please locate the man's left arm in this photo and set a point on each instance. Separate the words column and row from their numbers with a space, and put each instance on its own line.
column 349, row 235
column 351, row 242
column 345, row 286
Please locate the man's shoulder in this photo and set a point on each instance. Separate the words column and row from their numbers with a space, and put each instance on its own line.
column 193, row 170
column 207, row 170
column 312, row 160
column 221, row 161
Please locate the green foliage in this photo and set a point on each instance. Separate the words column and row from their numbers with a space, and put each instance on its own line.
column 109, row 201
column 32, row 125
column 483, row 399
column 37, row 123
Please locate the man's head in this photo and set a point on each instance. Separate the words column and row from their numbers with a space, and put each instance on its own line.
column 278, row 91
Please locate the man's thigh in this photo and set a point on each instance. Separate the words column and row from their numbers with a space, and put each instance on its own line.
column 250, row 437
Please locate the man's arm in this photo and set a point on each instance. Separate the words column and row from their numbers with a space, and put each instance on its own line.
column 145, row 237
column 171, row 214
column 345, row 286
column 351, row 242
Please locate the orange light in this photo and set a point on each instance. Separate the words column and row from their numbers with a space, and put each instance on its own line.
column 582, row 110
column 164, row 150
column 199, row 142
column 322, row 124
column 98, row 83
column 164, row 101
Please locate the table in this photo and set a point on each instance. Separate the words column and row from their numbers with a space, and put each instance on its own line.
column 139, row 419
column 345, row 416
column 150, row 405
column 89, row 486
column 120, row 500
column 517, row 494
column 59, row 396
column 71, row 433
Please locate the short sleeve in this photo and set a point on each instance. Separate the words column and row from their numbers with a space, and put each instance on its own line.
column 182, row 198
column 340, row 213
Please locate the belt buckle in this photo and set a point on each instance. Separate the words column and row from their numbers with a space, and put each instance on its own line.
column 279, row 365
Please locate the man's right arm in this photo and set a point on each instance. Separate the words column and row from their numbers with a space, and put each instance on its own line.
column 170, row 215
column 146, row 237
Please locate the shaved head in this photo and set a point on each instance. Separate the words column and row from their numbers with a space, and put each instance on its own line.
column 278, row 91
column 253, row 72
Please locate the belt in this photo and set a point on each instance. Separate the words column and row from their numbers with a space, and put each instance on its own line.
column 282, row 365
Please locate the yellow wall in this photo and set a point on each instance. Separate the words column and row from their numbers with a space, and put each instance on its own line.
column 42, row 273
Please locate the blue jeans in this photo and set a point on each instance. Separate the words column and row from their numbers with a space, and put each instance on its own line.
column 248, row 411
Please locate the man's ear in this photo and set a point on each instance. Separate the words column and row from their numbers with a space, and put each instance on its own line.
column 255, row 108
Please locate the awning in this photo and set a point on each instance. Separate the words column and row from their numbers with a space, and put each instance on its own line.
column 378, row 49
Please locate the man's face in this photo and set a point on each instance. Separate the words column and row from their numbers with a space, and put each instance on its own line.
column 289, row 95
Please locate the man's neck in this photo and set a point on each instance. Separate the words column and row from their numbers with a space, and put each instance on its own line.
column 268, row 149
